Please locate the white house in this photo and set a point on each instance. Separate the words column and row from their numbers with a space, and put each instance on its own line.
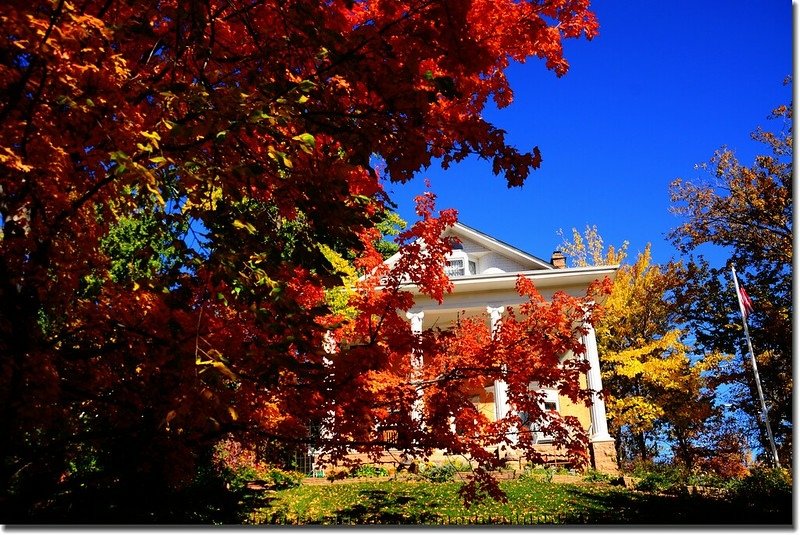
column 484, row 272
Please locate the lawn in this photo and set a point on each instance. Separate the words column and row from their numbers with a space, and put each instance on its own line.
column 530, row 501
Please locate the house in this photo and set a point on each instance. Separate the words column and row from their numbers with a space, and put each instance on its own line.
column 484, row 272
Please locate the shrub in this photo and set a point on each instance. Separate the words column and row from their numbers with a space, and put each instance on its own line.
column 368, row 470
column 764, row 489
column 660, row 478
column 439, row 473
column 595, row 476
column 461, row 466
column 283, row 479
column 239, row 466
column 710, row 479
column 535, row 471
column 337, row 473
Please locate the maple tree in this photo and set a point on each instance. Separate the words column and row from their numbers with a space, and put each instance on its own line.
column 180, row 181
column 747, row 210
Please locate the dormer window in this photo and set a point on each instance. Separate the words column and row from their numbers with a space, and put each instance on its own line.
column 459, row 265
column 455, row 268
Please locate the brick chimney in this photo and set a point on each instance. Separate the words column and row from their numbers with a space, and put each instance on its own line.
column 558, row 260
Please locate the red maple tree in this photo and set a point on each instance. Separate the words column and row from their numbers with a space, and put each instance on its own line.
column 245, row 132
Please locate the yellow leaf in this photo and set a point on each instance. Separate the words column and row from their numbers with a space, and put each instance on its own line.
column 242, row 225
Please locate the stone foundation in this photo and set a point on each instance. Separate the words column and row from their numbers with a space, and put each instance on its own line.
column 604, row 457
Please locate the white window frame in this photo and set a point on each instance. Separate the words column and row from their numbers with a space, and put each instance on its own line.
column 551, row 397
column 468, row 266
column 464, row 270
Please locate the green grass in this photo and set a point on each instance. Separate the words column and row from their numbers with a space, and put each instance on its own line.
column 530, row 501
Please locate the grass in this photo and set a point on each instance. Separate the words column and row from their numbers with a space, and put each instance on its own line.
column 529, row 501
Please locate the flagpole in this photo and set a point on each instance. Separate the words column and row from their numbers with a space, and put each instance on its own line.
column 764, row 413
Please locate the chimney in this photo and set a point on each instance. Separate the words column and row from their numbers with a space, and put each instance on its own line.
column 558, row 260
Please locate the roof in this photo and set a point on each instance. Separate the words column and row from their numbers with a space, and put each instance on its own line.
column 491, row 243
column 543, row 274
column 461, row 230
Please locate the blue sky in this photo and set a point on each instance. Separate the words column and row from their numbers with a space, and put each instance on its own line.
column 659, row 90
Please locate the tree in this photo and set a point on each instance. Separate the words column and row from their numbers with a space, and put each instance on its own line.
column 655, row 389
column 588, row 250
column 245, row 132
column 747, row 210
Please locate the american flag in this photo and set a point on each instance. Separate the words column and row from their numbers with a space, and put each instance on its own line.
column 745, row 302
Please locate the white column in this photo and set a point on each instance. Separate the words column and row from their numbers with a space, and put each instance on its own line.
column 329, row 346
column 500, row 386
column 416, row 362
column 595, row 384
column 416, row 329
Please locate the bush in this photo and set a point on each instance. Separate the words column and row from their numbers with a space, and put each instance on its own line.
column 439, row 473
column 283, row 479
column 239, row 466
column 660, row 478
column 538, row 472
column 337, row 473
column 765, row 490
column 368, row 470
column 461, row 466
column 595, row 476
column 710, row 479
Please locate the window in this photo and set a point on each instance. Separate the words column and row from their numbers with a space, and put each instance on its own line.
column 454, row 268
column 549, row 404
column 459, row 265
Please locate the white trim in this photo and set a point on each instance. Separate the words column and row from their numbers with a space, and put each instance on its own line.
column 458, row 254
column 493, row 244
column 551, row 395
column 499, row 246
column 542, row 278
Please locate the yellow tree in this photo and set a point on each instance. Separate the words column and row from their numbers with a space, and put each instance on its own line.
column 588, row 249
column 652, row 384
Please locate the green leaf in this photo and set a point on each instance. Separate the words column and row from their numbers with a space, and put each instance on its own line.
column 306, row 86
column 308, row 141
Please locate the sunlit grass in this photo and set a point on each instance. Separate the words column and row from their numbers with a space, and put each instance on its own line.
column 423, row 502
column 530, row 501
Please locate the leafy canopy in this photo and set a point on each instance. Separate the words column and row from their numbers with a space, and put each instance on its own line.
column 655, row 388
column 748, row 211
column 203, row 168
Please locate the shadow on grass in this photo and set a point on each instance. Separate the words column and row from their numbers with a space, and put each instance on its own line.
column 381, row 507
column 631, row 508
column 586, row 505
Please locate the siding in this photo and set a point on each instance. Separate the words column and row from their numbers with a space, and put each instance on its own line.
column 500, row 262
column 490, row 259
column 471, row 246
column 579, row 410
